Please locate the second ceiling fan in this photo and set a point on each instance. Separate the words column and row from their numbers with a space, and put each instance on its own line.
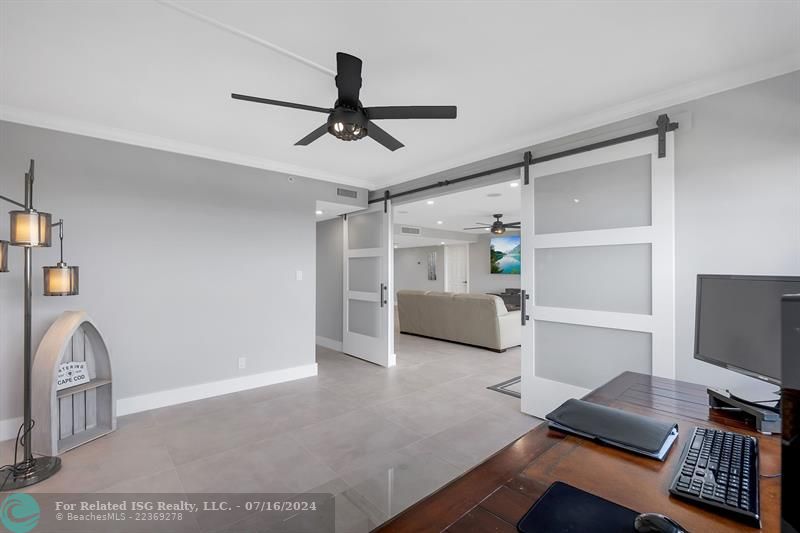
column 349, row 120
column 497, row 227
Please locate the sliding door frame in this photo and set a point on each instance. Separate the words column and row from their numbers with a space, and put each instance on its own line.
column 540, row 395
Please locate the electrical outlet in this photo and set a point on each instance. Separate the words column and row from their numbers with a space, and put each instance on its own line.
column 242, row 363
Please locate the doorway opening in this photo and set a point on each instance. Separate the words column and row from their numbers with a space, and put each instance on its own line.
column 457, row 287
column 329, row 272
column 456, row 268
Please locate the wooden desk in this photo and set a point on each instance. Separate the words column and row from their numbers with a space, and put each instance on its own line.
column 495, row 494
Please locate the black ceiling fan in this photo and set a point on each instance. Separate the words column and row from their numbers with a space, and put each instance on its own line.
column 348, row 120
column 497, row 227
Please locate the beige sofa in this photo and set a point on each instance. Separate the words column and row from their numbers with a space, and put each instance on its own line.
column 477, row 319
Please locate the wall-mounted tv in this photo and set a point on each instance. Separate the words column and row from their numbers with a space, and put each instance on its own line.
column 504, row 254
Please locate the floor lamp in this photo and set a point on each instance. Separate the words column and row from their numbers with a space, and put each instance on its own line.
column 33, row 229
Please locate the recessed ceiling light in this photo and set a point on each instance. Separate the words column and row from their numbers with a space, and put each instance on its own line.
column 494, row 194
column 441, row 242
column 514, row 184
column 576, row 200
column 487, row 229
column 430, row 202
column 320, row 212
column 440, row 221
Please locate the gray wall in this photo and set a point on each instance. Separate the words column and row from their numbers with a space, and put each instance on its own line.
column 737, row 187
column 480, row 277
column 330, row 234
column 186, row 264
column 411, row 269
column 737, row 173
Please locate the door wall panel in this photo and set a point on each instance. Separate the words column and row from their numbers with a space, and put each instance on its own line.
column 599, row 265
column 603, row 278
column 368, row 286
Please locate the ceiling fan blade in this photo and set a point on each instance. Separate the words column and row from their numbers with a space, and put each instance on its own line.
column 382, row 137
column 313, row 136
column 280, row 103
column 348, row 78
column 511, row 224
column 411, row 111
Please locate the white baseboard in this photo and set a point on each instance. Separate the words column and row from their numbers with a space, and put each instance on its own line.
column 154, row 400
column 331, row 344
column 9, row 428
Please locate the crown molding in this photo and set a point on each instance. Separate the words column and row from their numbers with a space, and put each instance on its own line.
column 658, row 101
column 29, row 117
column 652, row 103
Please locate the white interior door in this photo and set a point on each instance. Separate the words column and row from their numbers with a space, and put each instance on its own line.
column 598, row 264
column 456, row 258
column 368, row 314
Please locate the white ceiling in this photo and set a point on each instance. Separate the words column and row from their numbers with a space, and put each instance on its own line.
column 520, row 72
column 328, row 210
column 463, row 209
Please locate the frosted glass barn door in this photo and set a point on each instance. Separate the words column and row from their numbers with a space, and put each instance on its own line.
column 599, row 266
column 368, row 312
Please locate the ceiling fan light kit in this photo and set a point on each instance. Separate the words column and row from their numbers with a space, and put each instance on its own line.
column 349, row 120
column 347, row 124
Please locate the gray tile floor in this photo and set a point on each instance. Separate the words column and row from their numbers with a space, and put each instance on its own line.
column 378, row 439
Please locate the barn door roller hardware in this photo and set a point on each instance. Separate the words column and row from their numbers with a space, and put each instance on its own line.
column 526, row 161
column 663, row 125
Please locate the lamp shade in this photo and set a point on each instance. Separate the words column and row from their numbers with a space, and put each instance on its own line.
column 3, row 256
column 60, row 280
column 30, row 228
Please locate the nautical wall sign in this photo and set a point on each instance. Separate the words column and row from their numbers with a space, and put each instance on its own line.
column 71, row 374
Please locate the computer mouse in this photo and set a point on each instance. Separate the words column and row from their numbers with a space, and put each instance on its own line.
column 656, row 523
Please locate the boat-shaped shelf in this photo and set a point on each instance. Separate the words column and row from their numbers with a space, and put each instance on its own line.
column 70, row 417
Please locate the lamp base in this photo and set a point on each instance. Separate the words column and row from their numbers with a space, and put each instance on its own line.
column 25, row 475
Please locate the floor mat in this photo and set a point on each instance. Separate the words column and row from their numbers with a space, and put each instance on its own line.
column 509, row 386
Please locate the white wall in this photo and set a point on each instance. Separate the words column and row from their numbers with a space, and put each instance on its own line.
column 737, row 173
column 186, row 264
column 480, row 277
column 737, row 181
column 330, row 234
column 737, row 198
column 411, row 269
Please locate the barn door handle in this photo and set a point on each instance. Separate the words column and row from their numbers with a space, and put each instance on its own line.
column 523, row 307
column 381, row 296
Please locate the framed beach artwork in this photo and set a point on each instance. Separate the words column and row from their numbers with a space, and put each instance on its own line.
column 504, row 254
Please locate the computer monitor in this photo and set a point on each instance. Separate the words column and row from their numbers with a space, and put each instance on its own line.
column 738, row 323
column 790, row 403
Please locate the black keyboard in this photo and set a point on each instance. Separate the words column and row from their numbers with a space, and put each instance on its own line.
column 720, row 469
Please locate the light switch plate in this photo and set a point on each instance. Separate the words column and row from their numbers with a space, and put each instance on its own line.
column 242, row 363
column 299, row 275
